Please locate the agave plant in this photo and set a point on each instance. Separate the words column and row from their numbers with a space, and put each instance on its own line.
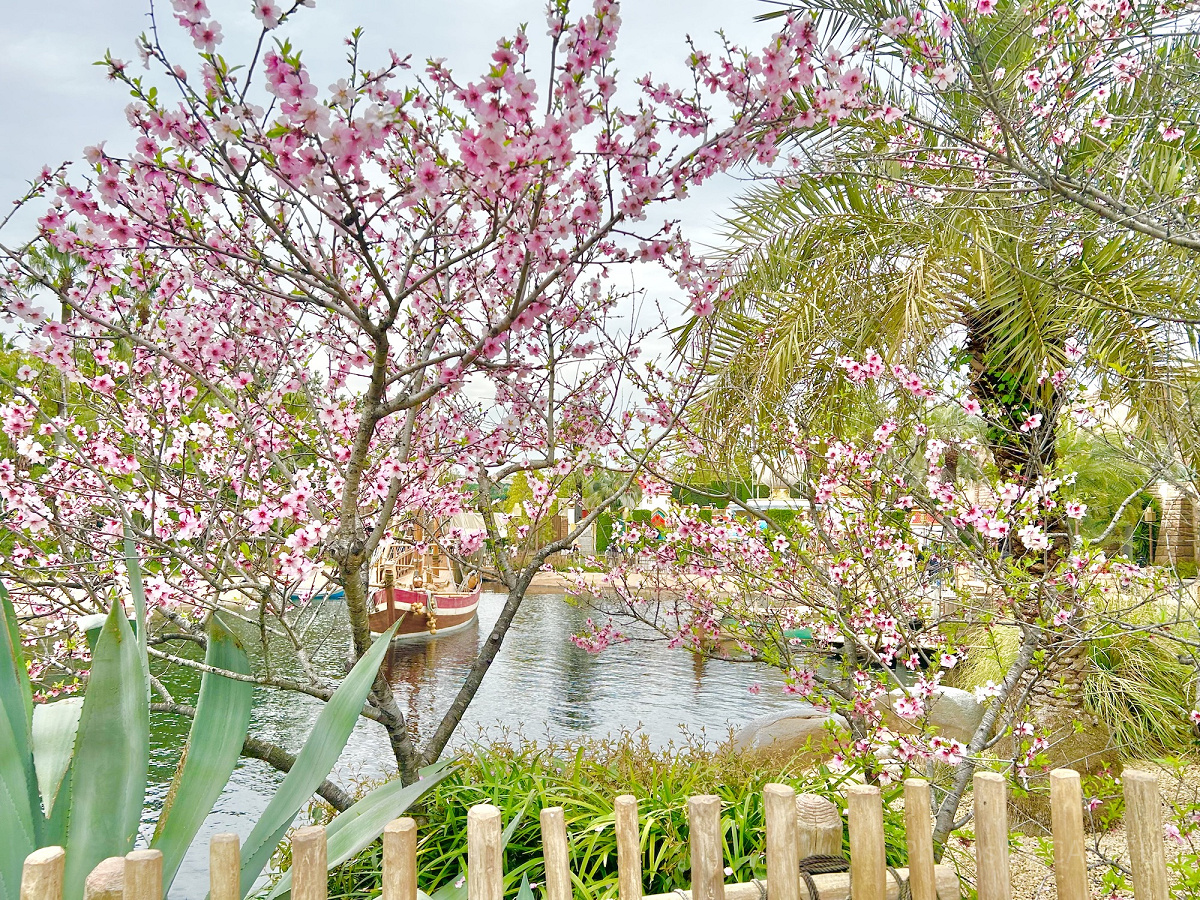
column 73, row 772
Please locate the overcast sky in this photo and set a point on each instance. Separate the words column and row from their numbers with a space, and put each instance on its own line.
column 55, row 102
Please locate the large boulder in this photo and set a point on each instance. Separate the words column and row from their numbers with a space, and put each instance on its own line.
column 801, row 727
column 950, row 712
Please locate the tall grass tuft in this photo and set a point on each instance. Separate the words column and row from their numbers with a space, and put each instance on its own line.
column 521, row 777
column 1137, row 685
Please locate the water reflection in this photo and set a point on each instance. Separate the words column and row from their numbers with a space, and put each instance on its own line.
column 540, row 683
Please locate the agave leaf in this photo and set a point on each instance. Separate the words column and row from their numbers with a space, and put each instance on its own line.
column 213, row 746
column 112, row 755
column 322, row 749
column 353, row 830
column 16, row 696
column 54, row 728
column 134, row 569
column 18, row 785
column 525, row 892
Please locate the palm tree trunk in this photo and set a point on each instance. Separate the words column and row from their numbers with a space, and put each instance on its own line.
column 1051, row 694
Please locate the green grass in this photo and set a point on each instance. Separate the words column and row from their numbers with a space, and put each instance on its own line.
column 521, row 778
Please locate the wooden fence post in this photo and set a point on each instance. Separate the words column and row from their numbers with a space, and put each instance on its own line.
column 310, row 875
column 225, row 867
column 1066, row 822
column 818, row 826
column 704, row 836
column 783, row 851
column 42, row 874
column 106, row 881
column 629, row 847
column 991, row 835
column 918, row 825
column 868, row 861
column 485, row 866
column 555, row 853
column 399, row 860
column 1143, row 825
column 143, row 875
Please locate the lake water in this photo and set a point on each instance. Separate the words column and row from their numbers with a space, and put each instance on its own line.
column 540, row 683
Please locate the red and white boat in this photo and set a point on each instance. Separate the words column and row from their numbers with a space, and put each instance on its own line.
column 422, row 588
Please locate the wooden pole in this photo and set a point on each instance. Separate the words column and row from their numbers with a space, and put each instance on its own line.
column 106, row 881
column 399, row 860
column 42, row 874
column 629, row 847
column 1066, row 822
column 991, row 835
column 1143, row 825
column 485, row 867
column 310, row 873
column 868, row 861
column 708, row 861
column 783, row 852
column 818, row 826
column 835, row 886
column 918, row 825
column 555, row 854
column 224, row 867
column 143, row 875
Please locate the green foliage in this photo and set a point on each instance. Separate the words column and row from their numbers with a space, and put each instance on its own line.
column 73, row 773
column 521, row 778
column 1136, row 685
column 604, row 531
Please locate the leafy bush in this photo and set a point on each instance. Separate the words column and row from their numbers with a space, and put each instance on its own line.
column 1137, row 684
column 521, row 778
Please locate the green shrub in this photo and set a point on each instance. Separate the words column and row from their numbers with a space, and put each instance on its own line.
column 1136, row 685
column 521, row 778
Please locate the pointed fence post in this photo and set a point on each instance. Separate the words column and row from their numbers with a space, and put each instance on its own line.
column 485, row 866
column 399, row 860
column 143, row 875
column 868, row 861
column 1143, row 825
column 106, row 881
column 708, row 861
column 629, row 847
column 783, row 852
column 42, row 874
column 918, row 825
column 991, row 835
column 1066, row 823
column 225, row 867
column 310, row 870
column 818, row 826
column 555, row 853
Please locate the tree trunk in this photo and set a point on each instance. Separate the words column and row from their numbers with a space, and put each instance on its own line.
column 1053, row 691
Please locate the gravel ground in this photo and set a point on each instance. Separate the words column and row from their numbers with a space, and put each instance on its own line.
column 1031, row 872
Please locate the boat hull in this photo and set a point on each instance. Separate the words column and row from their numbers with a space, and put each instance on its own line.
column 422, row 614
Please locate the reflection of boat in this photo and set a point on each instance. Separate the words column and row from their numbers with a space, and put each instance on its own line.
column 423, row 588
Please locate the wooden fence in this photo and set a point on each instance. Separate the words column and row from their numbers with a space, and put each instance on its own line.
column 790, row 837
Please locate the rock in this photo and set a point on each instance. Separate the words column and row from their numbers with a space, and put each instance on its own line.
column 801, row 727
column 950, row 712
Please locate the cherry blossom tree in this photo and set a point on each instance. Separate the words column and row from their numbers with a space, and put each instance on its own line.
column 905, row 550
column 293, row 321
